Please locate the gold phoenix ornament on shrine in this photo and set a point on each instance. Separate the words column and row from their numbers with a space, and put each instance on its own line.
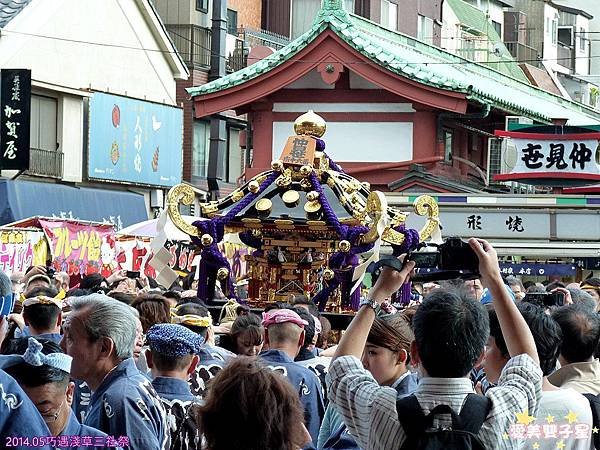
column 307, row 219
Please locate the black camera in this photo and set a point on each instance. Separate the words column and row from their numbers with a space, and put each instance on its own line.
column 545, row 299
column 452, row 259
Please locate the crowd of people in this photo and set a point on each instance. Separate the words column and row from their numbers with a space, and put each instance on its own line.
column 120, row 363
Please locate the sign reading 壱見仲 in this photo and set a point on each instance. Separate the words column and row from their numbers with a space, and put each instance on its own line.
column 553, row 156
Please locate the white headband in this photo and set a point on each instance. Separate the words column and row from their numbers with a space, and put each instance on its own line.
column 34, row 357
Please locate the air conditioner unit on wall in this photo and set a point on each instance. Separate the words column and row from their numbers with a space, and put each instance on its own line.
column 502, row 153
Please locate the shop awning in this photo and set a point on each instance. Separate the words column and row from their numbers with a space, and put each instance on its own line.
column 561, row 249
column 21, row 199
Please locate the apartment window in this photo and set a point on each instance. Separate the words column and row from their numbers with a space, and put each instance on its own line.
column 43, row 123
column 234, row 157
column 200, row 148
column 424, row 29
column 582, row 39
column 389, row 15
column 448, row 144
column 498, row 27
column 202, row 5
column 554, row 31
column 304, row 13
column 232, row 24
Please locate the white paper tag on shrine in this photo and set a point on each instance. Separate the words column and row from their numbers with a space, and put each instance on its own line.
column 161, row 235
column 160, row 259
column 166, row 277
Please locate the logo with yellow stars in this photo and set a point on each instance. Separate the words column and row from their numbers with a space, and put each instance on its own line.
column 539, row 430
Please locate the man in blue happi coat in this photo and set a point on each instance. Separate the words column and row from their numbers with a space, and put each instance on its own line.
column 211, row 360
column 42, row 370
column 172, row 356
column 99, row 334
column 18, row 416
column 285, row 336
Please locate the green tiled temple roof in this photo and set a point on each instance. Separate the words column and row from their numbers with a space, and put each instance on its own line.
column 420, row 62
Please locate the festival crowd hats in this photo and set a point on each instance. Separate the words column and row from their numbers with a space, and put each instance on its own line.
column 173, row 340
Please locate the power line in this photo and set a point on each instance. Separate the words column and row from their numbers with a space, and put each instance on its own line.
column 425, row 63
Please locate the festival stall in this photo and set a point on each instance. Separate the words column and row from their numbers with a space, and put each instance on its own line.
column 134, row 250
column 308, row 222
column 21, row 248
column 76, row 247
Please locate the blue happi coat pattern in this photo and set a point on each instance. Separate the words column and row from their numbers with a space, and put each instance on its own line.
column 18, row 416
column 82, row 395
column 307, row 385
column 126, row 404
column 180, row 406
column 208, row 366
column 78, row 436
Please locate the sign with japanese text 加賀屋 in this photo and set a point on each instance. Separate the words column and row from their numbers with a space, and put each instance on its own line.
column 15, row 104
column 21, row 249
column 81, row 249
column 553, row 156
column 135, row 141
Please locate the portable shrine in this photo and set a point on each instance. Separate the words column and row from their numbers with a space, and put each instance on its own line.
column 309, row 223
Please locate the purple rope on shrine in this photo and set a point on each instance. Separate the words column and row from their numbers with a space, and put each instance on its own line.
column 340, row 260
column 323, row 295
column 250, row 240
column 247, row 200
column 211, row 257
column 410, row 243
column 320, row 145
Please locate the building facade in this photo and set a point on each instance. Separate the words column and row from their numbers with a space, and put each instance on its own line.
column 76, row 66
column 403, row 109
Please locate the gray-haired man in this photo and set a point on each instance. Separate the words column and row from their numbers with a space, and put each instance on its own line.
column 99, row 334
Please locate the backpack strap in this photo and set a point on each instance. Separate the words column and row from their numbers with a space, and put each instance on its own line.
column 474, row 412
column 414, row 422
column 412, row 419
column 594, row 401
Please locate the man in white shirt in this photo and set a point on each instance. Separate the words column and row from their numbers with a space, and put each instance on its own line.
column 581, row 333
column 564, row 417
column 450, row 330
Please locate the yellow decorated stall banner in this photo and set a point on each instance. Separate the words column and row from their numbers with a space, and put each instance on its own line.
column 21, row 249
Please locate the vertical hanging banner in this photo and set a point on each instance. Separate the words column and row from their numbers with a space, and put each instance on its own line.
column 15, row 104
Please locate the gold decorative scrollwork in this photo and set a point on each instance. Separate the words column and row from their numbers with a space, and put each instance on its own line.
column 374, row 210
column 181, row 193
column 424, row 205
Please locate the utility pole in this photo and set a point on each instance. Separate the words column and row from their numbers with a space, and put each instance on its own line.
column 218, row 131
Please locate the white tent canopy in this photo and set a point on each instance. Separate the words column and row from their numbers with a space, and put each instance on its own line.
column 147, row 229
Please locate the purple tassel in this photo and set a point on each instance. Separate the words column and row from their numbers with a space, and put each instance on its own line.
column 405, row 293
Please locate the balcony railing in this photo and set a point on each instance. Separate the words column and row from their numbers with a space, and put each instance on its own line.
column 523, row 52
column 193, row 44
column 255, row 38
column 238, row 47
column 46, row 163
column 237, row 54
column 566, row 56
